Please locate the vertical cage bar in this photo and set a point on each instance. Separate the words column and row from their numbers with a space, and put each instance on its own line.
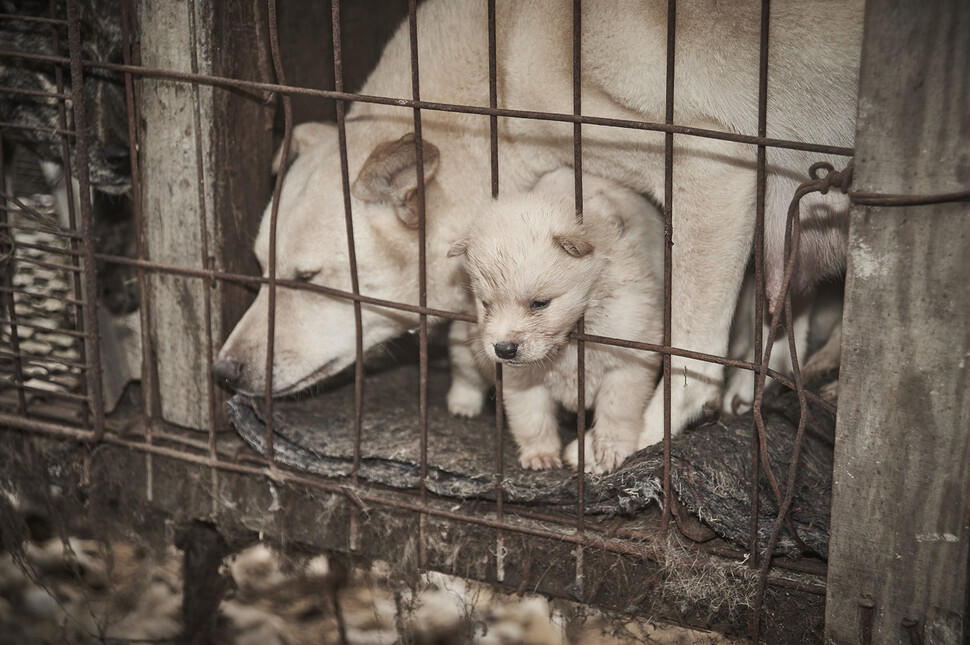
column 754, row 561
column 147, row 375
column 668, row 255
column 8, row 266
column 580, row 325
column 72, row 214
column 89, row 308
column 422, row 277
column 274, row 216
column 352, row 253
column 759, row 279
column 499, row 402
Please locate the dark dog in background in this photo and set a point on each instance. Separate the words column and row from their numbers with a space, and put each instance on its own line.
column 32, row 119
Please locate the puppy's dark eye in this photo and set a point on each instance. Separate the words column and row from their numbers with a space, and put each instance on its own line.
column 538, row 304
column 484, row 305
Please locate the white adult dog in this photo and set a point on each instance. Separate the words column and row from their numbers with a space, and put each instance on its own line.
column 814, row 55
column 533, row 272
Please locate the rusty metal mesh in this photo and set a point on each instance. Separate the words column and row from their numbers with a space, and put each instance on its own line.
column 51, row 377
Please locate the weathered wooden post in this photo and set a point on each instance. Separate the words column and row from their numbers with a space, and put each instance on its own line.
column 901, row 505
column 229, row 134
column 195, row 178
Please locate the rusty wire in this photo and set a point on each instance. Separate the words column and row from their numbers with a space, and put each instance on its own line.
column 499, row 402
column 821, row 184
column 88, row 318
column 255, row 86
column 274, row 217
column 668, row 258
column 581, row 324
column 352, row 256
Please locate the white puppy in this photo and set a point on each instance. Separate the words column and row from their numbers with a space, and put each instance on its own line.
column 534, row 271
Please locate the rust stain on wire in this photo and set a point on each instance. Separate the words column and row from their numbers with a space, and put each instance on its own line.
column 422, row 278
column 581, row 324
column 274, row 216
column 499, row 401
column 782, row 306
column 256, row 86
column 351, row 247
column 144, row 304
column 89, row 311
column 668, row 258
column 759, row 281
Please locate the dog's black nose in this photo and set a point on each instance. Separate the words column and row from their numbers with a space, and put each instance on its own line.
column 228, row 372
column 117, row 158
column 506, row 350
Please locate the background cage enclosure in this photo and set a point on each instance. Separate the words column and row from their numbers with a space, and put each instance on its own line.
column 212, row 89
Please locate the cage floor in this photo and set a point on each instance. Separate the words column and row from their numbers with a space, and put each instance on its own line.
column 710, row 468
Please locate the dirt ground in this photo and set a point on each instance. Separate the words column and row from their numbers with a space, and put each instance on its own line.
column 83, row 591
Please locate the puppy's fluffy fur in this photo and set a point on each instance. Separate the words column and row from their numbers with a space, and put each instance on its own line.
column 534, row 271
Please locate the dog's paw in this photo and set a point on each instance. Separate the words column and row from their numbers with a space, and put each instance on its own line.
column 571, row 456
column 465, row 400
column 537, row 459
column 610, row 452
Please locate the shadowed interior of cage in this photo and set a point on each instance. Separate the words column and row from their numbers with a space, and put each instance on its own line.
column 573, row 527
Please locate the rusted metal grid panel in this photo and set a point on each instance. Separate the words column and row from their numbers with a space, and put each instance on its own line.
column 63, row 381
column 207, row 274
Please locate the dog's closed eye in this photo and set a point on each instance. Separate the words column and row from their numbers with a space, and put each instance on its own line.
column 307, row 275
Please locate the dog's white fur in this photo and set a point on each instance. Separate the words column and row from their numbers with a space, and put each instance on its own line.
column 533, row 272
column 813, row 68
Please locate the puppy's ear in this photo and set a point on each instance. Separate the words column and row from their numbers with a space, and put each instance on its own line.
column 304, row 135
column 575, row 242
column 608, row 213
column 390, row 176
column 458, row 248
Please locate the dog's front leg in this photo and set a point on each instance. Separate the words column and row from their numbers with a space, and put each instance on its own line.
column 531, row 412
column 619, row 406
column 713, row 223
column 466, row 396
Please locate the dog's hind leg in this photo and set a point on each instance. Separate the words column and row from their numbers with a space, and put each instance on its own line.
column 739, row 393
column 713, row 224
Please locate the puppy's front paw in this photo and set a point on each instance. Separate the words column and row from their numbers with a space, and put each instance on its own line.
column 465, row 400
column 571, row 456
column 537, row 459
column 610, row 452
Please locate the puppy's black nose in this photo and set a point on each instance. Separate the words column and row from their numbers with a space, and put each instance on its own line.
column 506, row 350
column 228, row 372
column 117, row 158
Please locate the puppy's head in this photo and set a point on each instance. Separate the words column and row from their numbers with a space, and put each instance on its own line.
column 532, row 270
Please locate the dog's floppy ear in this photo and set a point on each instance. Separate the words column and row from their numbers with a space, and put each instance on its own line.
column 608, row 214
column 458, row 248
column 390, row 176
column 304, row 135
column 575, row 242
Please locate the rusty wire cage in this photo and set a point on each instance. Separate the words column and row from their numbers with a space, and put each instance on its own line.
column 229, row 93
